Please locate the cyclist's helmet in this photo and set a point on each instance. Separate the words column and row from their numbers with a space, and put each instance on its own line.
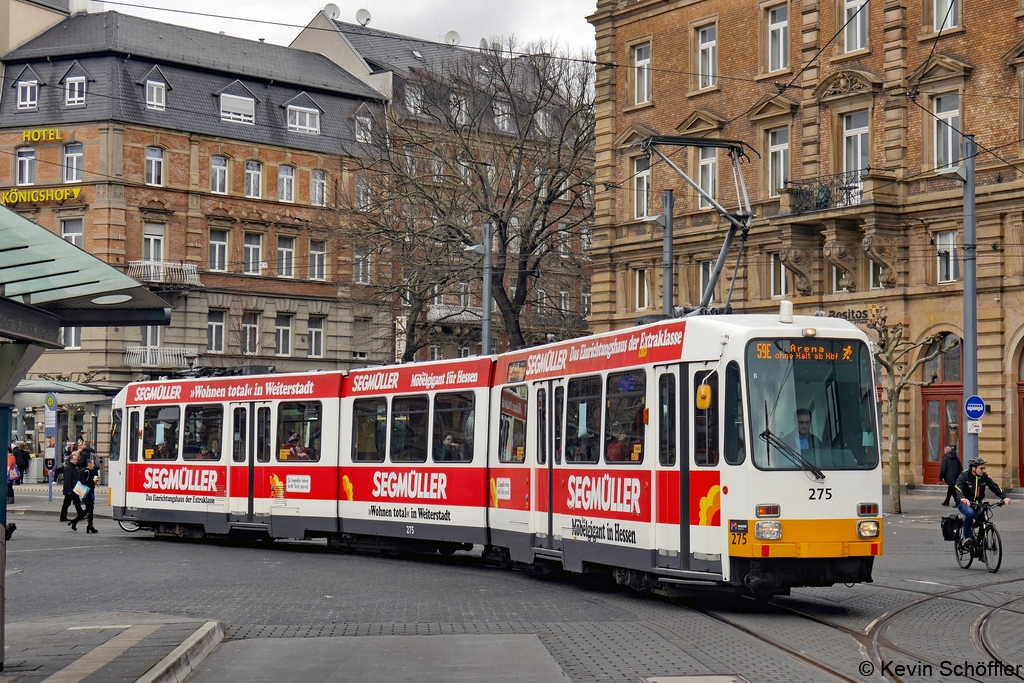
column 976, row 462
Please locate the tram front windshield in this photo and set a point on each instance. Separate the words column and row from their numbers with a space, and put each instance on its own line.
column 811, row 404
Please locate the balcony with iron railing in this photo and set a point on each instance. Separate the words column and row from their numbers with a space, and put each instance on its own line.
column 837, row 192
column 159, row 356
column 454, row 314
column 170, row 273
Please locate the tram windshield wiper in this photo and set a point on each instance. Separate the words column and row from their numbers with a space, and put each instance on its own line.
column 769, row 438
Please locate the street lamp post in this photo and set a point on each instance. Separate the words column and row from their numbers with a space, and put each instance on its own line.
column 485, row 251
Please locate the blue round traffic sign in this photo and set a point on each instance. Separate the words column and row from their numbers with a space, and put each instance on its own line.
column 974, row 407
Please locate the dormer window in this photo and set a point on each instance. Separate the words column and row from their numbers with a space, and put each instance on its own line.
column 364, row 127
column 156, row 95
column 28, row 94
column 302, row 120
column 74, row 91
column 237, row 109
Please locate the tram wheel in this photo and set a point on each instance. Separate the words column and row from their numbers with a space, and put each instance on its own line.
column 128, row 526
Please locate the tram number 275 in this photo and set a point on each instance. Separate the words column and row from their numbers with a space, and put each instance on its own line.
column 820, row 494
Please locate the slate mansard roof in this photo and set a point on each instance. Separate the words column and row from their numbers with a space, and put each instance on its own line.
column 394, row 52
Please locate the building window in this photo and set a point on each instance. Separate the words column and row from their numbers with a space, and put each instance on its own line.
column 154, row 166
column 459, row 109
column 317, row 260
column 706, row 269
column 586, row 304
column 642, row 73
column 73, row 155
column 283, row 335
column 542, row 300
column 876, row 276
column 947, row 127
column 71, row 231
column 778, row 160
column 779, row 280
column 218, row 175
column 778, row 37
column 364, row 129
column 285, row 184
column 563, row 302
column 641, row 186
column 151, row 337
column 215, row 332
column 219, row 250
column 708, row 176
column 74, row 91
column 855, row 16
column 250, row 333
column 156, row 95
column 707, row 47
column 361, row 266
column 28, row 94
column 363, row 197
column 26, row 166
column 948, row 262
column 856, row 150
column 237, row 109
column 318, row 188
column 71, row 337
column 253, row 179
column 316, row 338
column 946, row 14
column 253, row 254
column 301, row 120
column 465, row 352
column 837, row 280
column 414, row 99
column 286, row 257
column 436, row 353
column 503, row 118
column 642, row 300
column 437, row 298
column 153, row 251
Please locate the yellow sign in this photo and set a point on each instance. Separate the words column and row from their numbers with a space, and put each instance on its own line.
column 53, row 194
column 40, row 134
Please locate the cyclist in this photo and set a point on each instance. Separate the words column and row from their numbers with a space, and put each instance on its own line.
column 970, row 487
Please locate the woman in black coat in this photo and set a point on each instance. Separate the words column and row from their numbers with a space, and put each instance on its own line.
column 950, row 470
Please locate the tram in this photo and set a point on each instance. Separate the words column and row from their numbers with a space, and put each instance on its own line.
column 734, row 453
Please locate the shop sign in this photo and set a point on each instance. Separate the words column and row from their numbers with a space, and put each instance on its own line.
column 40, row 134
column 52, row 194
column 856, row 316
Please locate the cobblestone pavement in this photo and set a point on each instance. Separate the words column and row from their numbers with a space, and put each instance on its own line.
column 922, row 609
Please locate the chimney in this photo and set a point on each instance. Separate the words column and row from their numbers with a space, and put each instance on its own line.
column 79, row 7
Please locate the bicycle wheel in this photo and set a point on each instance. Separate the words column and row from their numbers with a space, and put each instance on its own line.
column 993, row 549
column 128, row 526
column 964, row 557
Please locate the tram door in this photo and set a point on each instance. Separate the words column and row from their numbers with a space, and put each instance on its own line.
column 251, row 444
column 550, row 406
column 673, row 469
column 703, row 509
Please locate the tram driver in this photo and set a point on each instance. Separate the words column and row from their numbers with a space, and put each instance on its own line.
column 801, row 438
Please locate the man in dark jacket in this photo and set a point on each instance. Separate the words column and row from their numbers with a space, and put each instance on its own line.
column 970, row 487
column 71, row 475
column 949, row 472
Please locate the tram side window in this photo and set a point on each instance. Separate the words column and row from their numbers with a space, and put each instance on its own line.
column 115, row 435
column 369, row 429
column 133, row 435
column 735, row 436
column 263, row 435
column 667, row 420
column 624, row 422
column 453, row 427
column 241, row 436
column 705, row 424
column 542, row 427
column 583, row 420
column 512, row 427
column 298, row 431
column 409, row 428
column 160, row 433
column 559, row 406
column 203, row 432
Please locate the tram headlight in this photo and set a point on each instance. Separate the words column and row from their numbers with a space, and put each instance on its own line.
column 867, row 528
column 768, row 531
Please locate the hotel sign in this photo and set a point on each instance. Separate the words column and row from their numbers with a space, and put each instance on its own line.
column 40, row 134
column 52, row 194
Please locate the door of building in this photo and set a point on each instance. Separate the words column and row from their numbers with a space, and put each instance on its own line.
column 942, row 426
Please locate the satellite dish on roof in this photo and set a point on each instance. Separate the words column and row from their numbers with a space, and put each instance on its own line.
column 363, row 17
column 484, row 45
column 332, row 11
column 452, row 38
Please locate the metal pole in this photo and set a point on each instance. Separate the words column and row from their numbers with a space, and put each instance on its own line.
column 667, row 205
column 5, row 429
column 970, row 340
column 485, row 328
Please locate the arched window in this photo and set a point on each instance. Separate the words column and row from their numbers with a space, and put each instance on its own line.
column 946, row 366
column 942, row 402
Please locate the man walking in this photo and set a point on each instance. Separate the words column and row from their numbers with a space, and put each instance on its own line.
column 71, row 475
column 949, row 472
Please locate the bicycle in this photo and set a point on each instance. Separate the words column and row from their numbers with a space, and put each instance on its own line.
column 986, row 544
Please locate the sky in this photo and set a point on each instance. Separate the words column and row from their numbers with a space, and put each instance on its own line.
column 561, row 21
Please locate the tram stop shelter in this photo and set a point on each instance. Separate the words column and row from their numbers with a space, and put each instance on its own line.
column 47, row 283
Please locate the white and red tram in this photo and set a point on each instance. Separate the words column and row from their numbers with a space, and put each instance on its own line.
column 736, row 452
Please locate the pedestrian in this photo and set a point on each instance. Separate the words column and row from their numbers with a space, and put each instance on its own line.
column 21, row 458
column 88, row 477
column 71, row 473
column 12, row 476
column 950, row 470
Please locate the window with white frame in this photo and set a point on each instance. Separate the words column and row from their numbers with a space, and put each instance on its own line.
column 708, row 175
column 219, row 250
column 237, row 109
column 642, row 73
column 151, row 336
column 585, row 238
column 364, row 128
column 436, row 353
column 218, row 175
column 856, row 150
column 413, row 99
column 363, row 196
column 283, row 335
column 642, row 296
column 641, row 186
column 503, row 120
column 837, row 280
column 465, row 352
column 563, row 302
column 707, row 49
column 153, row 251
column 563, row 241
column 252, row 255
column 286, row 257
column 778, row 160
column 317, row 260
column 73, row 162
column 542, row 300
column 361, row 266
column 459, row 109
column 71, row 337
column 586, row 303
column 946, row 14
column 154, row 166
column 253, row 179
column 876, row 276
column 544, row 121
column 778, row 37
column 706, row 269
column 947, row 259
column 74, row 91
column 28, row 94
column 318, row 187
column 26, row 166
column 302, row 120
column 947, row 127
column 540, row 182
column 779, row 278
column 855, row 16
column 464, row 295
column 285, row 184
column 315, row 337
column 215, row 332
column 250, row 341
column 72, row 231
column 156, row 95
column 437, row 296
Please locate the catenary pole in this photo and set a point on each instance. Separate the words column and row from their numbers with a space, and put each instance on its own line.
column 970, row 341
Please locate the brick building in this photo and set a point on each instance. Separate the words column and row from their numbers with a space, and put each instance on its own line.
column 853, row 108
